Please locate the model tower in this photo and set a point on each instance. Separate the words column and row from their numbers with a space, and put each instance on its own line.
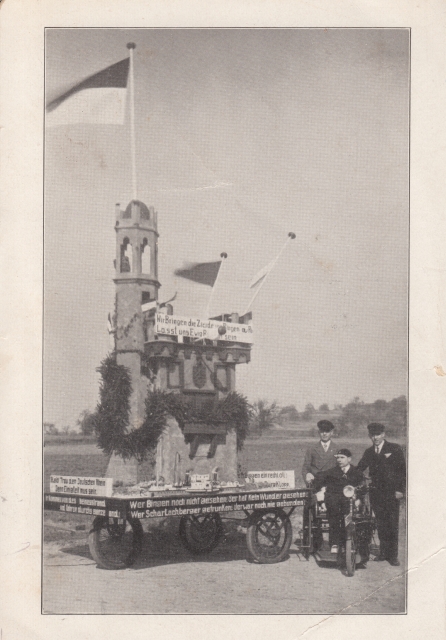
column 202, row 371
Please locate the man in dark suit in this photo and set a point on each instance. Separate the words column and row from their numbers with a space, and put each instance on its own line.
column 387, row 468
column 334, row 480
column 319, row 457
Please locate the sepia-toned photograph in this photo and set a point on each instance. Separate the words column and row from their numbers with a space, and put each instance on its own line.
column 225, row 321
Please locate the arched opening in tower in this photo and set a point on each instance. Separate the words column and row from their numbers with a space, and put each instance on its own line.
column 126, row 256
column 145, row 257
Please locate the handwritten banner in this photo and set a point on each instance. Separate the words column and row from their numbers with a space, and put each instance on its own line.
column 200, row 329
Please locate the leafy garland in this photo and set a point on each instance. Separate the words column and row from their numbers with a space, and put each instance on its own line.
column 234, row 411
column 111, row 419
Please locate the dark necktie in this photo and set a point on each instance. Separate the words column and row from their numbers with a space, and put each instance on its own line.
column 377, row 450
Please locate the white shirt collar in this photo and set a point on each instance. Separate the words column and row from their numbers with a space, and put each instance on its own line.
column 345, row 469
column 325, row 444
column 379, row 446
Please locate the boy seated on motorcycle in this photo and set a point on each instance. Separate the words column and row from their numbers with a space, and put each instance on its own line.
column 337, row 505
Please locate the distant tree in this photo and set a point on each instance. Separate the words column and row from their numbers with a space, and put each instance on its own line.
column 380, row 409
column 380, row 406
column 289, row 414
column 396, row 420
column 86, row 422
column 264, row 415
column 356, row 415
column 49, row 428
column 324, row 408
column 309, row 412
column 66, row 429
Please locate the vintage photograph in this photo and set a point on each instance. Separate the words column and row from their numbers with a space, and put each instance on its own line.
column 225, row 330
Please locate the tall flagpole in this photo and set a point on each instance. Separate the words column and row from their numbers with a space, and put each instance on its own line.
column 291, row 236
column 223, row 257
column 130, row 47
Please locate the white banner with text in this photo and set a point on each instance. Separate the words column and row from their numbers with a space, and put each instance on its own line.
column 272, row 479
column 199, row 329
column 81, row 486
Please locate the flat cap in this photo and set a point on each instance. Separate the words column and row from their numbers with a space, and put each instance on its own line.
column 344, row 452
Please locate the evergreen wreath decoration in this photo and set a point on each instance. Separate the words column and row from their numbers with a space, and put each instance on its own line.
column 112, row 414
column 113, row 410
column 233, row 411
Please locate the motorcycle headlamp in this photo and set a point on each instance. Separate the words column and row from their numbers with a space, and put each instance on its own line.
column 349, row 491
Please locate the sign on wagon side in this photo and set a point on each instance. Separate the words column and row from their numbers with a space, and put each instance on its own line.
column 76, row 485
column 272, row 479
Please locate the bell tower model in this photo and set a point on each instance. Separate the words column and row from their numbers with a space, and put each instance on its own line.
column 202, row 372
column 136, row 281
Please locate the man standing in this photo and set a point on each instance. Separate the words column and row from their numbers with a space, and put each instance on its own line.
column 319, row 457
column 335, row 479
column 387, row 469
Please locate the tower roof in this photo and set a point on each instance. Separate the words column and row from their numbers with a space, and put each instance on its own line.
column 145, row 213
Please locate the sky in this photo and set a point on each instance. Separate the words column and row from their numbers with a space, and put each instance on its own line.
column 242, row 135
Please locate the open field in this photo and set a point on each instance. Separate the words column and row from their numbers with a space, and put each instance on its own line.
column 223, row 581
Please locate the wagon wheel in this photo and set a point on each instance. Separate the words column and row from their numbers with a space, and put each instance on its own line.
column 201, row 534
column 116, row 530
column 350, row 555
column 115, row 546
column 269, row 536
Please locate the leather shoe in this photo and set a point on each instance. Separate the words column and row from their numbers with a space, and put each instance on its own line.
column 394, row 562
column 379, row 559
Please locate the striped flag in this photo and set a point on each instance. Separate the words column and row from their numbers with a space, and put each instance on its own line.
column 99, row 99
column 261, row 275
column 154, row 304
column 147, row 306
column 259, row 279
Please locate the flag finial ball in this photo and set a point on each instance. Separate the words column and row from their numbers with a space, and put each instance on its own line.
column 131, row 45
column 292, row 235
column 223, row 255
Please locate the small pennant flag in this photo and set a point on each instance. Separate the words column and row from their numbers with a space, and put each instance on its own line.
column 153, row 304
column 201, row 272
column 163, row 304
column 99, row 99
column 246, row 318
column 261, row 275
column 149, row 305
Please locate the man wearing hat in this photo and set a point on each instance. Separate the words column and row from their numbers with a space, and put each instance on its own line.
column 387, row 468
column 319, row 457
column 335, row 479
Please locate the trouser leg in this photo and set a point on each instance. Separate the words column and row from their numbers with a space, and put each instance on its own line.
column 379, row 511
column 334, row 533
column 386, row 509
column 335, row 522
column 394, row 513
